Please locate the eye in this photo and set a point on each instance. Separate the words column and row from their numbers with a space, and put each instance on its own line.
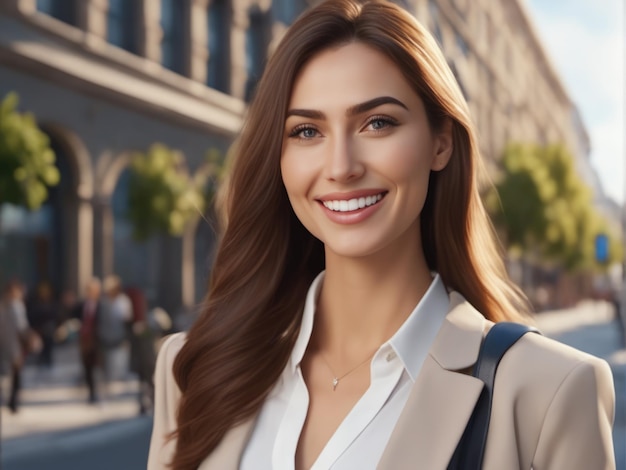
column 304, row 132
column 380, row 123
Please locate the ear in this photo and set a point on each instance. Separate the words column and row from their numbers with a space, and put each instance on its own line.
column 444, row 145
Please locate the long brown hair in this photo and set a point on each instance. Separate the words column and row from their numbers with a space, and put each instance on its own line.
column 266, row 259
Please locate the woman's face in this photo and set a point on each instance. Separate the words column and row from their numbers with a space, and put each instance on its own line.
column 358, row 151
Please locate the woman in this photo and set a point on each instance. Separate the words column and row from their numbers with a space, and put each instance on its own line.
column 358, row 160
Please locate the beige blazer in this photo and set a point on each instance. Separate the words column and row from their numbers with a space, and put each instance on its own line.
column 552, row 409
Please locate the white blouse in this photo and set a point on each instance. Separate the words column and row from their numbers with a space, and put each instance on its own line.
column 360, row 439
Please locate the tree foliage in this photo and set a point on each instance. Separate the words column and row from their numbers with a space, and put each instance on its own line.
column 541, row 206
column 163, row 197
column 27, row 167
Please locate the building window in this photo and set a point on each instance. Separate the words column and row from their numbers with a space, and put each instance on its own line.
column 257, row 41
column 63, row 10
column 433, row 11
column 173, row 40
column 461, row 44
column 286, row 11
column 218, row 24
column 461, row 7
column 121, row 24
column 459, row 80
column 482, row 22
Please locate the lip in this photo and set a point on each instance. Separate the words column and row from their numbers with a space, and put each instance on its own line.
column 356, row 216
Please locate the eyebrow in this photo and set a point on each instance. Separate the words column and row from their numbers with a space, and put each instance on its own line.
column 352, row 110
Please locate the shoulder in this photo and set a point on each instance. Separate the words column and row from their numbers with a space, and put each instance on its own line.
column 555, row 358
column 535, row 354
column 569, row 402
column 169, row 348
column 561, row 401
column 167, row 397
column 550, row 367
column 124, row 299
column 556, row 381
column 164, row 381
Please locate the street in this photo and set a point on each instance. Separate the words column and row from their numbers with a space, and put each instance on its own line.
column 57, row 429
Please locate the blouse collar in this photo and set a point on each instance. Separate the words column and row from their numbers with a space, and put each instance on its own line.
column 410, row 342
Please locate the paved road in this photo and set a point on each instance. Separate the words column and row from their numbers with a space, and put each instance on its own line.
column 58, row 433
column 118, row 445
column 56, row 429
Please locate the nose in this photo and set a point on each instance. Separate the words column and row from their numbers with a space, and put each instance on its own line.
column 342, row 162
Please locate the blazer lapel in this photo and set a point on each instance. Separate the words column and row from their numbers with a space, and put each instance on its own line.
column 442, row 398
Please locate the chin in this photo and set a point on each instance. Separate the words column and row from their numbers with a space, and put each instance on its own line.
column 352, row 249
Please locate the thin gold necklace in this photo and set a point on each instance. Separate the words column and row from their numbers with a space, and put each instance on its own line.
column 337, row 379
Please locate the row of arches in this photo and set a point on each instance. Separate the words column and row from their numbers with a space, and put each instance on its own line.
column 82, row 230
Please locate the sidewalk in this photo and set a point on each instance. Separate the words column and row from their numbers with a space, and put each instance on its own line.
column 591, row 326
column 55, row 428
column 56, row 400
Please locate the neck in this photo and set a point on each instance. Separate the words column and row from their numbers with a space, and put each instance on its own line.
column 365, row 300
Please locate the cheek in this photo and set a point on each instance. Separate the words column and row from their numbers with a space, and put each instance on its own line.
column 407, row 163
column 290, row 175
column 297, row 181
column 298, row 173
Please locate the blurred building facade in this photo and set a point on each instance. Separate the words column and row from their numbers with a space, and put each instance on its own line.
column 510, row 84
column 105, row 78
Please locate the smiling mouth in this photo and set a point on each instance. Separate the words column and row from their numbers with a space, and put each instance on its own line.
column 350, row 205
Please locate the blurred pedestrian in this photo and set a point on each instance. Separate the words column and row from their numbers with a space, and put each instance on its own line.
column 88, row 311
column 42, row 313
column 142, row 348
column 142, row 355
column 617, row 301
column 114, row 321
column 67, row 306
column 16, row 339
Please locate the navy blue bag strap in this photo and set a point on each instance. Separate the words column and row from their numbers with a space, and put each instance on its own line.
column 471, row 448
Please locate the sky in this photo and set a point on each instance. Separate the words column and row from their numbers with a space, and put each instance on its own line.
column 586, row 42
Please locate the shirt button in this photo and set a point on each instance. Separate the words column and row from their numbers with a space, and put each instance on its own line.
column 391, row 356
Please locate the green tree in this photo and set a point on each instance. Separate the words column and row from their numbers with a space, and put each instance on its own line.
column 27, row 166
column 543, row 208
column 518, row 200
column 163, row 197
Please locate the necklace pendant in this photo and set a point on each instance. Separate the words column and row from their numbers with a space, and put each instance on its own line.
column 335, row 382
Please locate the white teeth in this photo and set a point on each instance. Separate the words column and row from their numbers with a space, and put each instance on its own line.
column 352, row 204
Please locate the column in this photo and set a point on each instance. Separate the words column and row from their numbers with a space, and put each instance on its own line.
column 102, row 238
column 198, row 40
column 238, row 30
column 84, row 247
column 150, row 32
column 170, row 275
column 92, row 17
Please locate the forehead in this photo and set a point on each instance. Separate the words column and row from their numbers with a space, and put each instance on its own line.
column 348, row 74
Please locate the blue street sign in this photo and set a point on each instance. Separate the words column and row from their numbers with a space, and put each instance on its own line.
column 602, row 248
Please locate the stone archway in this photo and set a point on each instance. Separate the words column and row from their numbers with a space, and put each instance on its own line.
column 108, row 172
column 64, row 255
column 145, row 265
